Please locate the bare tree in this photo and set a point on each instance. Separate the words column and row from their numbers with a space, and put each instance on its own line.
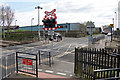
column 9, row 17
column 8, row 14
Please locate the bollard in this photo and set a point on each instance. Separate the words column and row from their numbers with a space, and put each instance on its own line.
column 49, row 59
column 39, row 57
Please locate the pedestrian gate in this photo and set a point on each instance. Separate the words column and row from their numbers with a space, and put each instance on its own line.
column 27, row 63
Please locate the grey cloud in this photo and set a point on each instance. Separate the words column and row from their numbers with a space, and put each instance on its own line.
column 76, row 8
column 104, row 15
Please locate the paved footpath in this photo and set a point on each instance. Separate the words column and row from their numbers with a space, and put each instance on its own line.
column 43, row 75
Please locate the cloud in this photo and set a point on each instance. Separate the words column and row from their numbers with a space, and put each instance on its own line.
column 99, row 11
column 23, row 0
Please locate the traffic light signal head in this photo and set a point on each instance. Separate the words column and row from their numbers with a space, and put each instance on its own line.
column 49, row 23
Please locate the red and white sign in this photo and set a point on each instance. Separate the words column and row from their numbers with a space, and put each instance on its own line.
column 50, row 15
column 27, row 62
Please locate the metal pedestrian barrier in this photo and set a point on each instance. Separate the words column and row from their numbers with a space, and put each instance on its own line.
column 7, row 65
column 23, row 62
column 95, row 39
column 27, row 63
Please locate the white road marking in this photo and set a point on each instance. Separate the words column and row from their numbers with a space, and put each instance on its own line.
column 61, row 73
column 65, row 61
column 84, row 45
column 39, row 69
column 48, row 71
column 30, row 68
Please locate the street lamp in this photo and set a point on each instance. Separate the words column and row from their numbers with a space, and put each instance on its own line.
column 31, row 23
column 15, row 23
column 115, row 26
column 111, row 29
column 38, row 7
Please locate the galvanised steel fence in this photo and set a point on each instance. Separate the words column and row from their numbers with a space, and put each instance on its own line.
column 97, row 64
column 7, row 66
column 25, row 62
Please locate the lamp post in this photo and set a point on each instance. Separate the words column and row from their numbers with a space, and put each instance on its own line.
column 111, row 29
column 15, row 22
column 31, row 23
column 115, row 26
column 38, row 7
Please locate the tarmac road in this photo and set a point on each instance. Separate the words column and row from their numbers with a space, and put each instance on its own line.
column 63, row 53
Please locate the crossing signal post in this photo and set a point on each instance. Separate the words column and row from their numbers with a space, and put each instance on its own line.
column 50, row 24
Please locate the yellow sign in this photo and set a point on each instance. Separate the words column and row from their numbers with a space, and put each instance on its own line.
column 107, row 52
column 111, row 25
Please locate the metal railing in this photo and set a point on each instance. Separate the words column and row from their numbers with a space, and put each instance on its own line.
column 7, row 66
column 107, row 74
column 95, row 39
column 89, row 61
column 44, row 57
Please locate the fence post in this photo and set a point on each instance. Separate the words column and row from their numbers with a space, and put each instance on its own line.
column 16, row 62
column 0, row 68
column 6, row 66
column 39, row 57
column 36, row 67
column 49, row 59
column 118, row 66
column 75, row 62
column 94, row 75
column 80, row 61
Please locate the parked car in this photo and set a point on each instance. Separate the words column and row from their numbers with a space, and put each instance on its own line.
column 56, row 36
column 109, row 34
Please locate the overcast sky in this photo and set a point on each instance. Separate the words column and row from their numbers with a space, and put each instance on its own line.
column 99, row 11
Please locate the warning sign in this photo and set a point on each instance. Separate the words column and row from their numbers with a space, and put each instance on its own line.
column 27, row 62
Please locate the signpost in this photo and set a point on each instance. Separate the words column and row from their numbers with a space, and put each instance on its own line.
column 50, row 23
column 111, row 26
column 90, row 29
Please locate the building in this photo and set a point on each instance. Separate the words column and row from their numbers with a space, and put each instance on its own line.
column 60, row 27
column 11, row 27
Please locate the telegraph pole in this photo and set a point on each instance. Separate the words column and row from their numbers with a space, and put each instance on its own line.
column 38, row 7
column 31, row 23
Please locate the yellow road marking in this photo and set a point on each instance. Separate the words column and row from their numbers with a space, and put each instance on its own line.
column 64, row 52
column 84, row 46
column 8, row 50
